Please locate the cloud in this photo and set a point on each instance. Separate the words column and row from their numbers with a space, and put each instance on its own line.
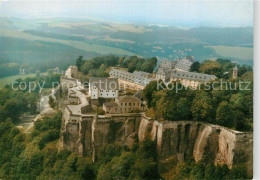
column 182, row 12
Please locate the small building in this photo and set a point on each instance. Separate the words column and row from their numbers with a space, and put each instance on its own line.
column 100, row 87
column 111, row 108
column 235, row 71
column 123, row 104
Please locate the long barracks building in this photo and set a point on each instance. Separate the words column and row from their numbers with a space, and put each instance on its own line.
column 137, row 79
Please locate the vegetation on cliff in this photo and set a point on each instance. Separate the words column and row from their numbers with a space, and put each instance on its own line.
column 202, row 170
column 14, row 103
column 18, row 99
column 229, row 104
column 138, row 163
column 35, row 156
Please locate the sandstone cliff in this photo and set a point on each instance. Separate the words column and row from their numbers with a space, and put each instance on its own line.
column 176, row 141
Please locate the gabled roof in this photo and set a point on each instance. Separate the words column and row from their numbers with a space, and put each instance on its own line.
column 104, row 83
column 185, row 63
column 163, row 71
column 190, row 58
column 139, row 94
column 136, row 78
column 193, row 76
column 128, row 98
column 141, row 73
column 110, row 104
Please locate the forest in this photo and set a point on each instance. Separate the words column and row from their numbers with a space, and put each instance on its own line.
column 14, row 103
column 35, row 156
column 231, row 107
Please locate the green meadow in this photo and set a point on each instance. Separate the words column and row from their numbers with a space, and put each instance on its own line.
column 10, row 79
column 241, row 53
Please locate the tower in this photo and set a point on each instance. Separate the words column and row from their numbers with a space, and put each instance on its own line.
column 235, row 70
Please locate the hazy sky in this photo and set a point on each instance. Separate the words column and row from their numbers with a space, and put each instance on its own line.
column 182, row 13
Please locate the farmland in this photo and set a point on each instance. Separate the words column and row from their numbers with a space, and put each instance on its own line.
column 241, row 53
column 10, row 79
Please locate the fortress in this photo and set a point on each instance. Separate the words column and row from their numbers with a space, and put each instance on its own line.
column 176, row 141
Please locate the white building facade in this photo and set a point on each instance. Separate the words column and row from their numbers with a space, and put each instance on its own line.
column 103, row 87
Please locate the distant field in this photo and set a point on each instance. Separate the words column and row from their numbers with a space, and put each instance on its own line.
column 102, row 49
column 10, row 79
column 241, row 53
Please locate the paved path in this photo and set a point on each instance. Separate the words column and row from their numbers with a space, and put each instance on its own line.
column 45, row 108
column 76, row 109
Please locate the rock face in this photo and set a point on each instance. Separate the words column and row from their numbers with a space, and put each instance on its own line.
column 177, row 140
column 184, row 139
column 90, row 132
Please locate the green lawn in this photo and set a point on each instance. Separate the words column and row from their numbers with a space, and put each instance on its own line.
column 241, row 53
column 8, row 80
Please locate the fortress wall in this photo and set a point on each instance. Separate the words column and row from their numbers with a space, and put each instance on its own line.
column 175, row 139
column 202, row 141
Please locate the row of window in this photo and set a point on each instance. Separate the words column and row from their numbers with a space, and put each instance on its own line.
column 107, row 90
column 107, row 94
column 200, row 77
column 121, row 109
column 122, row 75
column 130, row 104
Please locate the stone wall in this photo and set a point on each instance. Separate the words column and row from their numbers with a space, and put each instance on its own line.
column 178, row 140
column 87, row 135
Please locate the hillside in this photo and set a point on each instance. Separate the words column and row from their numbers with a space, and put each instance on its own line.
column 41, row 41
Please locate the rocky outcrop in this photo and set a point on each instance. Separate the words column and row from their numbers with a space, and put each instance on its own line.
column 177, row 140
column 180, row 140
column 89, row 133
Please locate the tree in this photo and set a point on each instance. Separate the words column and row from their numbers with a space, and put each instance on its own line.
column 88, row 65
column 85, row 168
column 52, row 102
column 14, row 108
column 121, row 61
column 79, row 62
column 238, row 102
column 183, row 109
column 210, row 67
column 242, row 70
column 195, row 67
column 240, row 121
column 148, row 92
column 197, row 171
column 131, row 67
column 238, row 172
column 224, row 115
column 202, row 108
